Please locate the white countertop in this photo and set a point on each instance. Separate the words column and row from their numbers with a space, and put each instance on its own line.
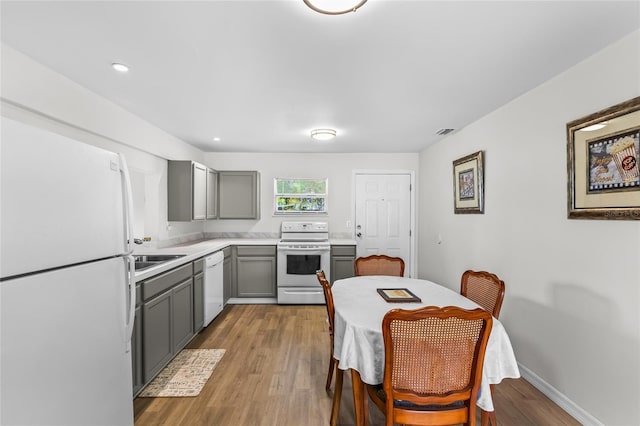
column 197, row 249
column 192, row 251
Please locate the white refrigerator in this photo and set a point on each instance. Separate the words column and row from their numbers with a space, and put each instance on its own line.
column 67, row 290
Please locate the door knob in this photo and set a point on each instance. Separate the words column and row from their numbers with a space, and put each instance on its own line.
column 359, row 234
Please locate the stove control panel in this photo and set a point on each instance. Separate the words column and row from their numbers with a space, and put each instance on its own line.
column 288, row 227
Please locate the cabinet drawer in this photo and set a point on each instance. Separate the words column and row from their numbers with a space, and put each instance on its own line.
column 162, row 282
column 343, row 250
column 256, row 250
column 198, row 266
column 226, row 251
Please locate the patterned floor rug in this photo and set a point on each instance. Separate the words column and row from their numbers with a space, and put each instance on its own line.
column 185, row 375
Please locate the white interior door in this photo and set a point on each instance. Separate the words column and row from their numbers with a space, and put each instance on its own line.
column 383, row 216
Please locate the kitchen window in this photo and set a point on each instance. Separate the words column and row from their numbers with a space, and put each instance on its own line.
column 300, row 196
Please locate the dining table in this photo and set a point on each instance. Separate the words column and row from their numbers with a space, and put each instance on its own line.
column 358, row 342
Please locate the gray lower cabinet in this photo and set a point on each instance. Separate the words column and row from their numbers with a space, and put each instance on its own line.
column 198, row 295
column 157, row 330
column 342, row 260
column 167, row 317
column 227, row 275
column 255, row 271
column 238, row 194
column 182, row 313
column 136, row 346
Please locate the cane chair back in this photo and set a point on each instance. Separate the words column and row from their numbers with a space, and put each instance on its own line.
column 379, row 264
column 484, row 288
column 433, row 365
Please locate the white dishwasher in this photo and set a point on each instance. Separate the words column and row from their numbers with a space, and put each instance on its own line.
column 213, row 282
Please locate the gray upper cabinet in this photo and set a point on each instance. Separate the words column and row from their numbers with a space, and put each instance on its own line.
column 191, row 191
column 212, row 190
column 238, row 195
column 199, row 182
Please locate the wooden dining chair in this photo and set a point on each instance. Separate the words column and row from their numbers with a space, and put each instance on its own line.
column 433, row 365
column 484, row 288
column 333, row 362
column 379, row 264
column 487, row 290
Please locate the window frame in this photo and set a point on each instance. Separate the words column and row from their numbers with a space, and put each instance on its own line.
column 277, row 195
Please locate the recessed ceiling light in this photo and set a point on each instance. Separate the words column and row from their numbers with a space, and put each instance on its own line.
column 216, row 139
column 323, row 134
column 120, row 67
column 596, row 126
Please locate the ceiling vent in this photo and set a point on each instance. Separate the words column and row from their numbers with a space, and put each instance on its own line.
column 443, row 132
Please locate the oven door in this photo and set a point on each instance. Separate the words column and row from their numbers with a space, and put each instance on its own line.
column 297, row 266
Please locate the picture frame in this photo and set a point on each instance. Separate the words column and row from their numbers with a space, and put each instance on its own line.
column 603, row 164
column 468, row 184
column 398, row 295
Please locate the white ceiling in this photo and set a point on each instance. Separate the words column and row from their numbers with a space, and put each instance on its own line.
column 261, row 74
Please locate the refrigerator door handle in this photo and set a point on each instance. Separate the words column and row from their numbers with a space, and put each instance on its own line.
column 131, row 282
column 129, row 321
column 128, row 203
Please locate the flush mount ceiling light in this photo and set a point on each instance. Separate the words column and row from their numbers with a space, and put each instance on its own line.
column 334, row 7
column 120, row 67
column 323, row 134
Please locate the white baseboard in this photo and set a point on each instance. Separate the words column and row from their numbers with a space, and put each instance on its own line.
column 573, row 409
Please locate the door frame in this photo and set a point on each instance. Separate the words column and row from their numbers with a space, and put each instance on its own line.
column 412, row 211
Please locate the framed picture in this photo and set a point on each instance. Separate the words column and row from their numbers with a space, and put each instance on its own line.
column 603, row 163
column 468, row 184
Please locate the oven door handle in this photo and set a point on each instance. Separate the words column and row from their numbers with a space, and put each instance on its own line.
column 307, row 249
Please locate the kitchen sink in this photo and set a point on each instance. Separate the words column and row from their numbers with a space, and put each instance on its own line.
column 144, row 261
column 156, row 257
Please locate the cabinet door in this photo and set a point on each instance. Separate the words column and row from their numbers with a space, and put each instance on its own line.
column 256, row 276
column 199, row 192
column 156, row 334
column 342, row 262
column 238, row 195
column 198, row 302
column 341, row 267
column 136, row 352
column 182, row 313
column 212, row 194
column 226, row 276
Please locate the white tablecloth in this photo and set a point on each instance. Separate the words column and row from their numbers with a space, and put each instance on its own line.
column 358, row 343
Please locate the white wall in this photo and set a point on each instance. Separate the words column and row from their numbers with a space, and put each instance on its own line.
column 38, row 95
column 338, row 168
column 573, row 286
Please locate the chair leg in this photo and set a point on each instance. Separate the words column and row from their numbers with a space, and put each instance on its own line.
column 488, row 418
column 332, row 363
column 337, row 395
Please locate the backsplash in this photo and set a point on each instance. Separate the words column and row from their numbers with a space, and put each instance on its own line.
column 239, row 235
column 200, row 236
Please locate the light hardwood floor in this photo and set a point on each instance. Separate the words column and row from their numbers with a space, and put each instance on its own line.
column 274, row 372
